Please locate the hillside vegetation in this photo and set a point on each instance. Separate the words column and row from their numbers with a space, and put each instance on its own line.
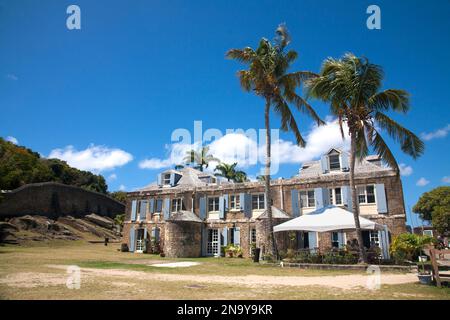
column 20, row 165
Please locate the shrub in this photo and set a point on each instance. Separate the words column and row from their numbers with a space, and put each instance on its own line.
column 407, row 246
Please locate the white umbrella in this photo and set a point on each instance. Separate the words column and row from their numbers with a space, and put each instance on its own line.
column 329, row 218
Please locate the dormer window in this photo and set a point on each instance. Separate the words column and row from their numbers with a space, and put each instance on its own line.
column 166, row 179
column 335, row 163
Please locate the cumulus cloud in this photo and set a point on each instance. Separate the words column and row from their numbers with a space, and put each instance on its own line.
column 12, row 139
column 446, row 179
column 439, row 133
column 94, row 158
column 11, row 76
column 422, row 182
column 247, row 150
column 122, row 187
column 112, row 177
column 405, row 170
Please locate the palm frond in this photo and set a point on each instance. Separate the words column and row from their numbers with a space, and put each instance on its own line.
column 397, row 100
column 409, row 142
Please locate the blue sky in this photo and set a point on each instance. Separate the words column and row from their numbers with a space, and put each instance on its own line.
column 117, row 88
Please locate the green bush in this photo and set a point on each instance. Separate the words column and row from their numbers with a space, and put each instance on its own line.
column 408, row 246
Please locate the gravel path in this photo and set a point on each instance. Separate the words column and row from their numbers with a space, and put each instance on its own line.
column 340, row 281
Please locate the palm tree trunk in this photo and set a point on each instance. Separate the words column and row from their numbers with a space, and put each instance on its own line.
column 355, row 202
column 268, row 203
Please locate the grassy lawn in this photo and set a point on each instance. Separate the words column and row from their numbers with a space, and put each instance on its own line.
column 38, row 272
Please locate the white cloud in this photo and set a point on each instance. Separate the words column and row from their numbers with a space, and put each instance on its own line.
column 405, row 170
column 446, row 179
column 122, row 187
column 11, row 76
column 246, row 151
column 422, row 182
column 94, row 158
column 12, row 139
column 440, row 133
column 112, row 177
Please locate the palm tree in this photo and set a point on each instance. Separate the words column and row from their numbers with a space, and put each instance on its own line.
column 268, row 78
column 352, row 86
column 229, row 172
column 202, row 158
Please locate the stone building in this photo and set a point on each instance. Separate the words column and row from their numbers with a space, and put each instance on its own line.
column 190, row 213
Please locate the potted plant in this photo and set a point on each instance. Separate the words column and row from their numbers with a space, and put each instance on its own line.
column 424, row 276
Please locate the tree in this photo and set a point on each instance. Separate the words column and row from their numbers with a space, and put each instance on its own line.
column 434, row 206
column 202, row 158
column 267, row 76
column 352, row 87
column 20, row 165
column 120, row 196
column 229, row 172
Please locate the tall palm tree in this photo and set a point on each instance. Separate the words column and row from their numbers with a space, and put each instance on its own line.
column 229, row 172
column 352, row 86
column 202, row 158
column 267, row 76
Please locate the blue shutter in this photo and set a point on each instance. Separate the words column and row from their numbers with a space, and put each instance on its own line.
column 341, row 239
column 203, row 208
column 143, row 210
column 157, row 234
column 246, row 203
column 145, row 238
column 344, row 161
column 347, row 197
column 204, row 240
column 312, row 239
column 221, row 207
column 237, row 236
column 383, row 235
column 159, row 179
column 295, row 204
column 131, row 240
column 152, row 206
column 172, row 179
column 225, row 236
column 324, row 164
column 380, row 194
column 318, row 195
column 225, row 202
column 153, row 233
column 166, row 208
column 133, row 210
column 325, row 196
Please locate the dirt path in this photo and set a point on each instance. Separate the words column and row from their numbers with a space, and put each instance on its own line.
column 341, row 282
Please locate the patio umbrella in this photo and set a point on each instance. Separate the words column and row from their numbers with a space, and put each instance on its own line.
column 329, row 218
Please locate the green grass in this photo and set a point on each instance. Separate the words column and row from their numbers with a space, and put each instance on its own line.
column 17, row 262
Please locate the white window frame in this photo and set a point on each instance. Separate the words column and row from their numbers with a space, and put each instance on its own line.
column 253, row 235
column 308, row 192
column 339, row 160
column 358, row 188
column 235, row 202
column 178, row 204
column 427, row 233
column 333, row 240
column 215, row 204
column 166, row 181
column 375, row 237
column 261, row 205
column 332, row 192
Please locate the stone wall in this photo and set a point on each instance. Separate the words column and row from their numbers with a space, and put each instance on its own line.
column 182, row 239
column 54, row 199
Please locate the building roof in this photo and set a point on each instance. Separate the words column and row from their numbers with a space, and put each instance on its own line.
column 187, row 216
column 190, row 177
column 276, row 214
column 313, row 169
